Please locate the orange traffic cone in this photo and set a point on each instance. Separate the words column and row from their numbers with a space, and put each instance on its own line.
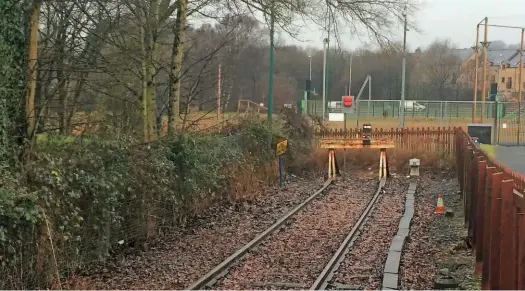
column 440, row 208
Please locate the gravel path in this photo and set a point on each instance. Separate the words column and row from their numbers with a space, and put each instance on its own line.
column 299, row 252
column 182, row 257
column 437, row 241
column 363, row 265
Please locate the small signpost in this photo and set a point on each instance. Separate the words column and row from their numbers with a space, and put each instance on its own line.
column 280, row 146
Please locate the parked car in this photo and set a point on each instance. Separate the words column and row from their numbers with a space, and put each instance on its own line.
column 334, row 106
column 413, row 106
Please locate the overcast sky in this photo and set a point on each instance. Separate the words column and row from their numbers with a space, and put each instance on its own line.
column 452, row 19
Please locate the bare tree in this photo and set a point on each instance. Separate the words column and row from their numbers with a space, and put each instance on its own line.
column 441, row 67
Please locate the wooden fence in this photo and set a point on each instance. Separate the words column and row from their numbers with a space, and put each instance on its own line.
column 440, row 138
column 494, row 212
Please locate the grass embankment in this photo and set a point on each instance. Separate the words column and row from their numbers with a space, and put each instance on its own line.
column 489, row 149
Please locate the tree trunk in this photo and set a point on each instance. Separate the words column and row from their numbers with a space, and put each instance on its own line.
column 62, row 76
column 143, row 74
column 32, row 71
column 176, row 65
column 153, row 21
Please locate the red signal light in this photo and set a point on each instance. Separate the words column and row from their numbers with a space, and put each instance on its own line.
column 347, row 101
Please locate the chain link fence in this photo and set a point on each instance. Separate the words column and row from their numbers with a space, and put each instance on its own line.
column 507, row 118
column 414, row 109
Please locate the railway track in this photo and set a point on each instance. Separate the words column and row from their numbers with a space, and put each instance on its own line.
column 322, row 279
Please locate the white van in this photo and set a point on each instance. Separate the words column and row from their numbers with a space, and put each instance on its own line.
column 413, row 106
column 334, row 106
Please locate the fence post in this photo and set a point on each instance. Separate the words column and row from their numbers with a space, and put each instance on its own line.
column 472, row 196
column 486, row 227
column 519, row 119
column 468, row 184
column 495, row 232
column 461, row 151
column 480, row 208
column 508, row 243
column 521, row 244
column 404, row 137
column 459, row 159
column 496, row 122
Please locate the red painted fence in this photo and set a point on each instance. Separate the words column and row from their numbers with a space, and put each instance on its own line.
column 430, row 138
column 494, row 212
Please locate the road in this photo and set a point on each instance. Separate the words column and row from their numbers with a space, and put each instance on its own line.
column 512, row 156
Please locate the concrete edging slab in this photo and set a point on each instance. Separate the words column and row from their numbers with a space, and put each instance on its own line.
column 393, row 260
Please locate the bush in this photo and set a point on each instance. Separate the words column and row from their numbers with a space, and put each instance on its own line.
column 87, row 200
column 19, row 217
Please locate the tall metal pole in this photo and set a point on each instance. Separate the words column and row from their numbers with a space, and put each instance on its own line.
column 520, row 85
column 403, row 72
column 344, row 114
column 369, row 93
column 270, row 73
column 325, row 41
column 476, row 73
column 219, row 93
column 310, row 57
column 350, row 78
column 484, row 75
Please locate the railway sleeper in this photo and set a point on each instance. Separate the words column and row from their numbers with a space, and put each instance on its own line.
column 339, row 286
column 278, row 284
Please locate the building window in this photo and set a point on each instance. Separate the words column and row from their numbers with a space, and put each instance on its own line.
column 509, row 83
column 503, row 80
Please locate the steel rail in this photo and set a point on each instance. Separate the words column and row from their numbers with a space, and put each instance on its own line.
column 326, row 275
column 220, row 269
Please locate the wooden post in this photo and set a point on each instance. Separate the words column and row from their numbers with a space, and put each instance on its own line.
column 485, row 65
column 520, row 84
column 329, row 164
column 472, row 197
column 521, row 242
column 508, row 238
column 495, row 231
column 487, row 221
column 380, row 164
column 480, row 208
column 333, row 164
column 468, row 184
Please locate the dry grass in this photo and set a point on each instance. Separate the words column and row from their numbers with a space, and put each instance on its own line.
column 203, row 120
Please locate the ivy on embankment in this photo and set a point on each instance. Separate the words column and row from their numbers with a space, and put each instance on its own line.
column 12, row 79
column 79, row 203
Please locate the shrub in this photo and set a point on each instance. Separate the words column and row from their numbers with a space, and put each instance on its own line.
column 86, row 200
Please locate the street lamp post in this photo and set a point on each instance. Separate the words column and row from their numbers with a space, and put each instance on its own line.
column 350, row 77
column 310, row 57
column 403, row 72
column 270, row 73
column 325, row 45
